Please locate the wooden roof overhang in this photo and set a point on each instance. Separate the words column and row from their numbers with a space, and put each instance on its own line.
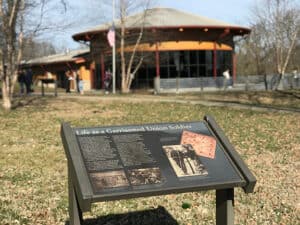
column 222, row 30
column 81, row 58
column 52, row 63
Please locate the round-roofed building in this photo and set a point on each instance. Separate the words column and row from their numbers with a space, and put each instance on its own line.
column 176, row 46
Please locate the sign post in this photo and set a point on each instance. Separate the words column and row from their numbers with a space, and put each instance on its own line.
column 114, row 52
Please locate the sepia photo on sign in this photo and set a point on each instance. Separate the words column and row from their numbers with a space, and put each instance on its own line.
column 110, row 179
column 184, row 160
column 145, row 176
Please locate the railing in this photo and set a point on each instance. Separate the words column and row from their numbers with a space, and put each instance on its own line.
column 255, row 82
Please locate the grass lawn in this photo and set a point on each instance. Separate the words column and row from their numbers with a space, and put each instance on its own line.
column 288, row 98
column 33, row 166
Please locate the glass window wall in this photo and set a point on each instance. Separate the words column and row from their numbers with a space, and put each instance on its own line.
column 182, row 64
column 224, row 61
column 186, row 64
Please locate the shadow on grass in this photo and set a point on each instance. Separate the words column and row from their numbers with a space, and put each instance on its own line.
column 158, row 216
column 267, row 99
column 293, row 94
column 20, row 102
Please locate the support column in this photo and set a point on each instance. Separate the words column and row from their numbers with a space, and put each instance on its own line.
column 55, row 87
column 157, row 60
column 43, row 90
column 102, row 71
column 157, row 78
column 224, row 207
column 75, row 213
column 215, row 61
column 92, row 75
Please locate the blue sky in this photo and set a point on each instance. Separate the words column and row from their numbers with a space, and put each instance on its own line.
column 231, row 11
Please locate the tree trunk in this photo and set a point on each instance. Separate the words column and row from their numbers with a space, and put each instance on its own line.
column 266, row 81
column 11, row 51
column 280, row 84
column 125, row 89
column 6, row 97
column 127, row 73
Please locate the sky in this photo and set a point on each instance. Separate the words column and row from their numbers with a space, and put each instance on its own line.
column 84, row 15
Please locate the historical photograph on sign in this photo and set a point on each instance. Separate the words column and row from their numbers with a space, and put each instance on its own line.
column 204, row 145
column 184, row 160
column 109, row 179
column 145, row 176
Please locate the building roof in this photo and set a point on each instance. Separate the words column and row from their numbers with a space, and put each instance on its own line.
column 59, row 58
column 163, row 18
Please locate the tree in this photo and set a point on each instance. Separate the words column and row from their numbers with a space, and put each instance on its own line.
column 254, row 55
column 34, row 49
column 131, row 37
column 130, row 33
column 14, row 17
column 10, row 13
column 277, row 23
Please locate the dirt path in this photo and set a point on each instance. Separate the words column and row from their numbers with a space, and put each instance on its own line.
column 156, row 98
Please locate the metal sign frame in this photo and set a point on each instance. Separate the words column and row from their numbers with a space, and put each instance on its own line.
column 82, row 194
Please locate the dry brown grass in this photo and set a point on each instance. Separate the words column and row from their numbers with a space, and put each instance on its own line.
column 290, row 98
column 33, row 175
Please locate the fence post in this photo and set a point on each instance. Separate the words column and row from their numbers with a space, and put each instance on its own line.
column 247, row 85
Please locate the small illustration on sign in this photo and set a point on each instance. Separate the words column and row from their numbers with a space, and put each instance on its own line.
column 204, row 145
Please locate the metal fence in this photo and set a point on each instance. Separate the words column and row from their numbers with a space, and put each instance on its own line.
column 254, row 82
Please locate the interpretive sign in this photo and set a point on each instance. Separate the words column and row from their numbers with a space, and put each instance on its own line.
column 48, row 81
column 116, row 162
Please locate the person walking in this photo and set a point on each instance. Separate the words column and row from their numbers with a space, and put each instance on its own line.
column 296, row 77
column 226, row 80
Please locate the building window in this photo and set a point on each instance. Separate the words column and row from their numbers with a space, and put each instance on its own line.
column 224, row 61
column 183, row 64
column 186, row 64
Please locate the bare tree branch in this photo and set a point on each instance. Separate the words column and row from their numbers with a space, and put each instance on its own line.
column 274, row 33
column 126, row 69
column 14, row 11
column 14, row 16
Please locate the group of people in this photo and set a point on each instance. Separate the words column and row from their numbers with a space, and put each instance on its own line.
column 25, row 81
column 71, row 76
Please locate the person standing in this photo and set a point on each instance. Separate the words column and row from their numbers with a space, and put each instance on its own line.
column 28, row 80
column 21, row 80
column 296, row 77
column 80, row 85
column 226, row 80
column 69, row 78
column 107, row 81
column 77, row 78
